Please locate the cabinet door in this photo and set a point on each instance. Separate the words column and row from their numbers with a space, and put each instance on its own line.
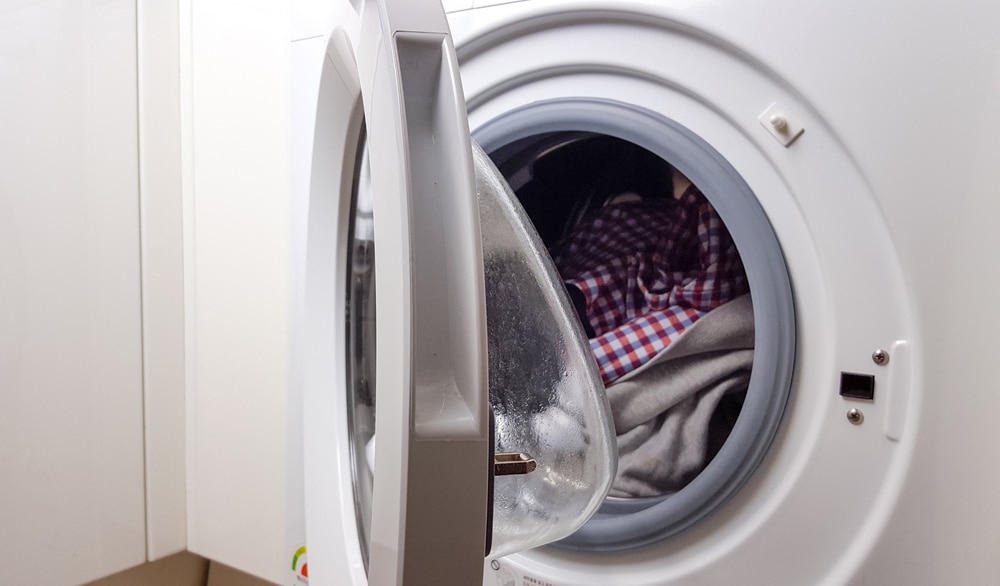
column 234, row 147
column 71, row 435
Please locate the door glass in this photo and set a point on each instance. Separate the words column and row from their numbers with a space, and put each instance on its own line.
column 548, row 401
column 360, row 309
column 545, row 390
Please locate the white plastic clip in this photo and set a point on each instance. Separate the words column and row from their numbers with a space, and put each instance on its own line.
column 778, row 123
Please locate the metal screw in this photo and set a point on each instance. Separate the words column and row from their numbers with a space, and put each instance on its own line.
column 495, row 565
column 881, row 357
column 855, row 416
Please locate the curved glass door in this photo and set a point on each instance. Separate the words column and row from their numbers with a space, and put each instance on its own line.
column 547, row 397
column 551, row 415
column 360, row 361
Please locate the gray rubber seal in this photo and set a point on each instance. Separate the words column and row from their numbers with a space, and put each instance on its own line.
column 631, row 523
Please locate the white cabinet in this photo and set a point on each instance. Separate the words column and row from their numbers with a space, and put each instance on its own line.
column 234, row 95
column 71, row 405
column 144, row 262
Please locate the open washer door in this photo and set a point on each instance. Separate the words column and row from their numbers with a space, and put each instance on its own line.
column 430, row 501
column 393, row 164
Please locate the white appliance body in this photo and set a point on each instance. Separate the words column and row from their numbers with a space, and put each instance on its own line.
column 884, row 208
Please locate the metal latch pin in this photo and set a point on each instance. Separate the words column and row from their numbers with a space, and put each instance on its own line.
column 507, row 463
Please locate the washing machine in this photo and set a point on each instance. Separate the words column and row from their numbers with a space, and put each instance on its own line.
column 846, row 148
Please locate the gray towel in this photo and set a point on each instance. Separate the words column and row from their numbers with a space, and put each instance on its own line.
column 663, row 410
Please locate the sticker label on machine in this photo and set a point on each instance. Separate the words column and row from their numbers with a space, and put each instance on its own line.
column 299, row 574
column 503, row 575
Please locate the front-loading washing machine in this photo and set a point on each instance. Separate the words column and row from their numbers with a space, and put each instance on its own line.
column 845, row 149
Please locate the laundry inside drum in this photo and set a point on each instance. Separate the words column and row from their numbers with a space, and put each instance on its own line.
column 660, row 291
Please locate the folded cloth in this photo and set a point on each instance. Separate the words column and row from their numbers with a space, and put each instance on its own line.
column 663, row 411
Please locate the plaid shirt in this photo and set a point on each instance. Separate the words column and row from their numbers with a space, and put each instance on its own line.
column 648, row 270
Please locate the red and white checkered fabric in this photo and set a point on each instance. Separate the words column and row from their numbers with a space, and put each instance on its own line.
column 648, row 270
